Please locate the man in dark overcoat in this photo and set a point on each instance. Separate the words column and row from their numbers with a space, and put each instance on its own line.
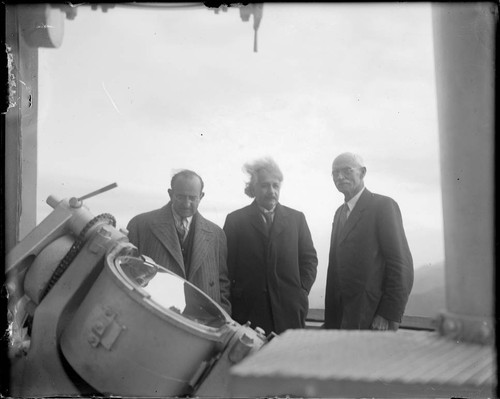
column 271, row 257
column 370, row 270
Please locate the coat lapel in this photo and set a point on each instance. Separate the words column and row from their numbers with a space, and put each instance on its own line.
column 335, row 231
column 164, row 230
column 256, row 218
column 279, row 221
column 203, row 237
column 355, row 215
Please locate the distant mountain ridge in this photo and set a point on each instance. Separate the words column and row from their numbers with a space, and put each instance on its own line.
column 427, row 297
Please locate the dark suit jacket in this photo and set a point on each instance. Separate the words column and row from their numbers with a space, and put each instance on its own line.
column 155, row 235
column 370, row 269
column 271, row 276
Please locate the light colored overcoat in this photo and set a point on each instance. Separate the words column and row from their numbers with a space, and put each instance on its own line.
column 155, row 235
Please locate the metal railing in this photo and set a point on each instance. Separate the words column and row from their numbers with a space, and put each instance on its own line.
column 316, row 317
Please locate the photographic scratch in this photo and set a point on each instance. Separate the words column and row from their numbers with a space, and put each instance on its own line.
column 11, row 79
column 110, row 98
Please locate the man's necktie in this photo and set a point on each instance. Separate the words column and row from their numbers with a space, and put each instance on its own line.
column 343, row 216
column 183, row 229
column 269, row 220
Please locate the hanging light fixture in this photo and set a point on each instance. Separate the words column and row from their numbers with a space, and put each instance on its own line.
column 254, row 9
column 246, row 11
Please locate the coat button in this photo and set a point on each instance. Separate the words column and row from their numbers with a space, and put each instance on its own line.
column 211, row 283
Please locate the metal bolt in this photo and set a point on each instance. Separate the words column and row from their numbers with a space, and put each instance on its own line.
column 93, row 340
column 239, row 350
column 245, row 339
column 75, row 202
column 484, row 332
column 103, row 231
column 259, row 330
column 449, row 326
column 99, row 327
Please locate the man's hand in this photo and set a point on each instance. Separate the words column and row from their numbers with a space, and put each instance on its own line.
column 382, row 324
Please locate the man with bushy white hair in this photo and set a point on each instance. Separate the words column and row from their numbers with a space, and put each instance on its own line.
column 271, row 257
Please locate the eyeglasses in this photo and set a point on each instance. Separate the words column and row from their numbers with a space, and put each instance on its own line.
column 182, row 197
column 344, row 171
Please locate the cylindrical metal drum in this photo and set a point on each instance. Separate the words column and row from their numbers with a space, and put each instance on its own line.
column 144, row 331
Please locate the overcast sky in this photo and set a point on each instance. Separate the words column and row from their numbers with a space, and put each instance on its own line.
column 134, row 94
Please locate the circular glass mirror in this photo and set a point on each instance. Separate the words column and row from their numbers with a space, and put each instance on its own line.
column 171, row 292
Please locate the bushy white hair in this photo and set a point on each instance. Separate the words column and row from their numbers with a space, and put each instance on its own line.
column 253, row 168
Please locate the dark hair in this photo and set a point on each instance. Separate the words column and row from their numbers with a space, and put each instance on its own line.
column 187, row 174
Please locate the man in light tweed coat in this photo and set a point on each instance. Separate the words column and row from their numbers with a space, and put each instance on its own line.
column 179, row 238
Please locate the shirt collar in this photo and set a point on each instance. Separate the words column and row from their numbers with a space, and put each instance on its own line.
column 264, row 210
column 353, row 201
column 178, row 218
